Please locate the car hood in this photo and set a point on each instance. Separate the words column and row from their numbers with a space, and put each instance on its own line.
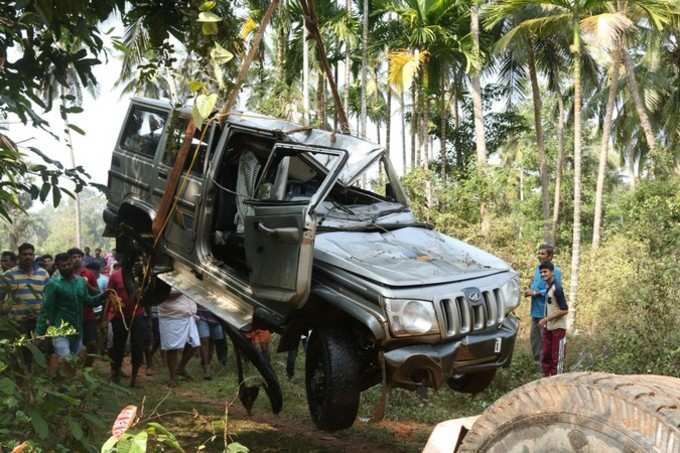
column 406, row 257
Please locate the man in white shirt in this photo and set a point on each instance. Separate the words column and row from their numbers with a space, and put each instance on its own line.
column 178, row 331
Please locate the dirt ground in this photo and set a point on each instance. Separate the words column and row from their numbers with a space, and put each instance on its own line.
column 195, row 412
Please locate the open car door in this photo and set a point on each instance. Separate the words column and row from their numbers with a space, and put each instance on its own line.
column 280, row 223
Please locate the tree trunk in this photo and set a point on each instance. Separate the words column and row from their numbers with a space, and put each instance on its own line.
column 305, row 77
column 460, row 159
column 640, row 108
column 476, row 93
column 68, row 141
column 540, row 141
column 321, row 100
column 413, row 126
column 576, row 240
column 560, row 166
column 403, row 130
column 388, row 125
column 282, row 41
column 348, row 62
column 443, row 119
column 426, row 130
column 604, row 148
column 335, row 111
column 364, row 68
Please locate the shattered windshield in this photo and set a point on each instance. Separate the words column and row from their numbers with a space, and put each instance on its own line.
column 372, row 197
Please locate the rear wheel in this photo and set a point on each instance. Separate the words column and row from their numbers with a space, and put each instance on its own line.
column 472, row 383
column 332, row 372
column 582, row 412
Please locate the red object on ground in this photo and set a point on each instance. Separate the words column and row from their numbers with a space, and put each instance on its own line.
column 124, row 421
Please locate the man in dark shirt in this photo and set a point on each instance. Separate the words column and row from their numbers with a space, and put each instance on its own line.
column 553, row 323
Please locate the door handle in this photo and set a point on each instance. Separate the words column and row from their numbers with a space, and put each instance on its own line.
column 286, row 234
column 163, row 174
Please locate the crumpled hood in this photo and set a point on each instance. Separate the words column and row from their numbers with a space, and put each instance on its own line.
column 406, row 257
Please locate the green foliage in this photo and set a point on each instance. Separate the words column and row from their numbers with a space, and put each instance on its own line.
column 628, row 309
column 52, row 414
column 153, row 438
column 653, row 215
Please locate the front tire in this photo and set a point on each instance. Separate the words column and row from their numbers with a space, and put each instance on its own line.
column 332, row 372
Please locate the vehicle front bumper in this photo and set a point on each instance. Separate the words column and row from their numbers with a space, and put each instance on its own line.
column 430, row 364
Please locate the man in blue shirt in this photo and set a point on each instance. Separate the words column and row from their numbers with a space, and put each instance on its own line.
column 537, row 292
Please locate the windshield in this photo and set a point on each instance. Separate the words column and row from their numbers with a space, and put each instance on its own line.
column 372, row 197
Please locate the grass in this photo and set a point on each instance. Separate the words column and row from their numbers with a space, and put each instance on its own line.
column 195, row 411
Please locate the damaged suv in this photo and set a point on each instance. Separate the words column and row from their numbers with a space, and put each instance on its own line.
column 300, row 230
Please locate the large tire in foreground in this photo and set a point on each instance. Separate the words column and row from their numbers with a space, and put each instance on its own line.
column 582, row 412
column 332, row 375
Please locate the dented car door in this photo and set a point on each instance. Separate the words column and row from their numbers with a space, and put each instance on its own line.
column 280, row 224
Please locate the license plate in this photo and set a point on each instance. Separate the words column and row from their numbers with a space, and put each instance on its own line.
column 497, row 345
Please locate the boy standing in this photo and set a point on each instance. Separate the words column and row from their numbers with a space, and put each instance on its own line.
column 554, row 323
column 537, row 292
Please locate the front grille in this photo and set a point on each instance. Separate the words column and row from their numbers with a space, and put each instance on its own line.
column 463, row 317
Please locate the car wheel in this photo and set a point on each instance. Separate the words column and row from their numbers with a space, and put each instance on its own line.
column 471, row 383
column 332, row 372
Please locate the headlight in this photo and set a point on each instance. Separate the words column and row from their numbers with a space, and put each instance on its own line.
column 510, row 292
column 411, row 317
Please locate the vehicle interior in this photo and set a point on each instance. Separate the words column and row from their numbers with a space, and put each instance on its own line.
column 293, row 176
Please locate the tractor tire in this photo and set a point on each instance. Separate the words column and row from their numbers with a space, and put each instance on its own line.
column 582, row 412
column 332, row 378
column 472, row 383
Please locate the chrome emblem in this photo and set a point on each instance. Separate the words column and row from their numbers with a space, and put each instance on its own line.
column 473, row 295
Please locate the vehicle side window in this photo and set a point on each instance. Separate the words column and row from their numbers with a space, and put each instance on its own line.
column 175, row 139
column 143, row 131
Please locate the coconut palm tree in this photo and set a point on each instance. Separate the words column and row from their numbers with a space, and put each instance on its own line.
column 518, row 49
column 476, row 93
column 657, row 14
column 576, row 16
column 364, row 67
column 604, row 147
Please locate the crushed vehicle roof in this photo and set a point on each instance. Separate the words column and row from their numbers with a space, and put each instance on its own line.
column 361, row 152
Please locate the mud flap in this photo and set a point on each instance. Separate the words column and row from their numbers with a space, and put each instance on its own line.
column 271, row 382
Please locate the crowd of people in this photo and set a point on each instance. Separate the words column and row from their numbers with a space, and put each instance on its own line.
column 84, row 296
column 87, row 294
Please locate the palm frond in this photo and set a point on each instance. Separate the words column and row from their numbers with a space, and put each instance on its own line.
column 605, row 30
